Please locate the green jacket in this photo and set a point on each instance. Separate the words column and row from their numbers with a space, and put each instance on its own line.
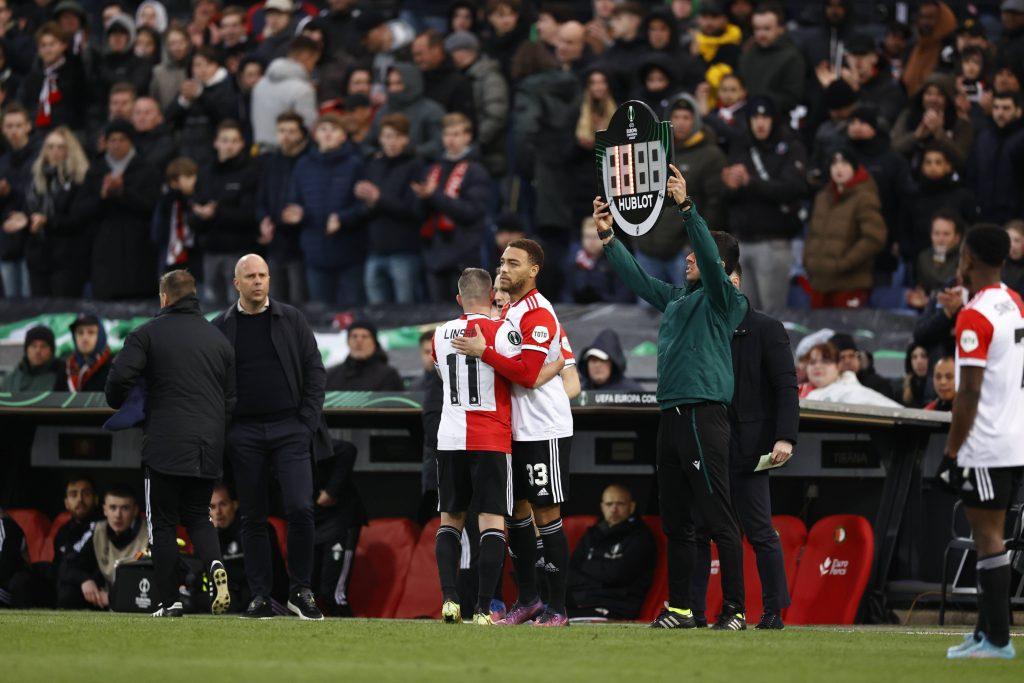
column 28, row 380
column 697, row 322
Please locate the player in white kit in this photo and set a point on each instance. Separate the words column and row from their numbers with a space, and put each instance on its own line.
column 986, row 437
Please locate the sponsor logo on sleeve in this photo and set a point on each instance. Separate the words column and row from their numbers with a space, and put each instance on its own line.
column 540, row 335
column 969, row 341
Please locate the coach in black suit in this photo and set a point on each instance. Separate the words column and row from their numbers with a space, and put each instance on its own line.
column 278, row 425
column 764, row 417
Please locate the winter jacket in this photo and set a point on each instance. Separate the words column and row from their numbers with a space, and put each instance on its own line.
column 372, row 374
column 730, row 127
column 451, row 89
column 930, row 274
column 768, row 207
column 885, row 93
column 16, row 169
column 846, row 389
column 275, row 175
column 612, row 568
column 196, row 122
column 845, row 234
column 491, row 105
column 955, row 139
column 622, row 60
column 70, row 109
column 335, row 475
column 995, row 171
column 932, row 196
column 607, row 342
column 189, row 369
column 232, row 184
column 891, row 173
column 26, row 379
column 322, row 184
column 776, row 71
column 424, row 114
column 393, row 223
column 160, row 228
column 156, row 147
column 165, row 82
column 285, row 87
column 457, row 222
column 121, row 67
column 123, row 256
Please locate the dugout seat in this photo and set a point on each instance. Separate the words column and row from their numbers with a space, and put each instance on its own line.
column 421, row 597
column 46, row 555
column 833, row 571
column 575, row 526
column 793, row 535
column 381, row 566
column 658, row 593
column 36, row 527
column 281, row 529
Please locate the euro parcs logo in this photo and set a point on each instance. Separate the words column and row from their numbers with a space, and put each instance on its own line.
column 633, row 155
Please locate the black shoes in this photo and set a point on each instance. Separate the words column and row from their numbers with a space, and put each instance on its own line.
column 302, row 604
column 730, row 619
column 259, row 608
column 174, row 610
column 674, row 619
column 770, row 621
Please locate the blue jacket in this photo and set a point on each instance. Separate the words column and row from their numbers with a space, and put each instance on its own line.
column 275, row 176
column 322, row 184
column 996, row 171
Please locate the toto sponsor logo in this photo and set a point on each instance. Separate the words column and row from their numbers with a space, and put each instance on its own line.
column 633, row 155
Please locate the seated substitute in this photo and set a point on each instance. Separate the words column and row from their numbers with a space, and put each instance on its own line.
column 612, row 567
column 604, row 365
column 82, row 504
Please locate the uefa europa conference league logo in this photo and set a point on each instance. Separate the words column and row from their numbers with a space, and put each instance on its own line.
column 633, row 156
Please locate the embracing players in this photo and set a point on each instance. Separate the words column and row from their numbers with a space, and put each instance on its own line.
column 986, row 437
column 541, row 437
column 474, row 439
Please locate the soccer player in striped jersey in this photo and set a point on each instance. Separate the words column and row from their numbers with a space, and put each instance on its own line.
column 986, row 436
column 474, row 440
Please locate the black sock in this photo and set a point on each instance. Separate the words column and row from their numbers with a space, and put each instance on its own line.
column 492, row 555
column 448, row 548
column 994, row 601
column 543, row 588
column 523, row 544
column 556, row 556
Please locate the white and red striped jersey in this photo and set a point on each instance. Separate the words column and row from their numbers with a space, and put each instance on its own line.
column 477, row 406
column 990, row 335
column 543, row 413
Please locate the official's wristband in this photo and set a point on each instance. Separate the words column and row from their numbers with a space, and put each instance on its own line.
column 686, row 206
column 605, row 234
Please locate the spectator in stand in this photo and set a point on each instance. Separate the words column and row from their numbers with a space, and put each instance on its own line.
column 89, row 363
column 596, row 109
column 628, row 48
column 871, row 76
column 405, row 96
column 850, row 359
column 490, row 99
column 394, row 215
column 118, row 63
column 204, row 101
column 152, row 14
column 1011, row 46
column 56, row 236
column 835, row 386
column 936, row 266
column 845, row 234
column 914, row 392
column 288, row 86
column 570, row 47
column 55, row 90
column 934, row 25
column 934, row 329
column 339, row 24
column 840, row 100
column 508, row 31
column 250, row 72
column 598, row 29
column 944, row 381
column 173, row 231
column 357, row 116
column 224, row 211
column 764, row 182
column 612, row 567
column 728, row 119
column 280, row 238
column 995, row 170
column 321, row 198
column 15, row 180
column 825, row 45
column 39, row 370
column 939, row 187
column 279, row 26
column 226, row 520
column 656, row 86
column 455, row 193
column 717, row 41
column 119, row 537
column 443, row 82
column 662, row 31
column 604, row 365
column 772, row 65
column 154, row 142
column 1013, row 269
column 340, row 516
column 172, row 71
column 366, row 367
column 234, row 42
column 80, row 501
column 931, row 119
column 590, row 278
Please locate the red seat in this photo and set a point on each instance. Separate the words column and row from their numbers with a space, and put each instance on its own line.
column 833, row 571
column 751, row 584
column 46, row 554
column 421, row 597
column 281, row 529
column 381, row 566
column 36, row 526
column 658, row 593
column 793, row 535
column 575, row 526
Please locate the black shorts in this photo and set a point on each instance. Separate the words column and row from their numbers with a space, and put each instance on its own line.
column 474, row 481
column 991, row 488
column 540, row 471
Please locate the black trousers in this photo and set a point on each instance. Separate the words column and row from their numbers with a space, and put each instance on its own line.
column 752, row 501
column 332, row 569
column 693, row 487
column 173, row 500
column 256, row 449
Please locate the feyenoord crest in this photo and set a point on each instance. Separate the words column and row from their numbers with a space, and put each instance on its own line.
column 633, row 156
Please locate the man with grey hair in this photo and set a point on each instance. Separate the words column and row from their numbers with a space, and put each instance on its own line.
column 277, row 422
column 187, row 373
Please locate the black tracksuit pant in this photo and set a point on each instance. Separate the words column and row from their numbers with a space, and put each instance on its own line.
column 693, row 487
column 173, row 500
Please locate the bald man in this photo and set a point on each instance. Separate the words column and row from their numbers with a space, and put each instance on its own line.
column 570, row 44
column 278, row 420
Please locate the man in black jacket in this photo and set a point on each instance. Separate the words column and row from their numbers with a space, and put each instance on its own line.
column 764, row 418
column 604, row 365
column 82, row 504
column 432, row 388
column 366, row 368
column 277, row 422
column 189, row 373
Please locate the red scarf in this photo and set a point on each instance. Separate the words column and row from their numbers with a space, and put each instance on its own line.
column 438, row 221
column 79, row 375
column 585, row 261
column 49, row 95
column 860, row 176
column 181, row 239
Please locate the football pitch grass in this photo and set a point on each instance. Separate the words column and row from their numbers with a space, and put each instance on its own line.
column 52, row 646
